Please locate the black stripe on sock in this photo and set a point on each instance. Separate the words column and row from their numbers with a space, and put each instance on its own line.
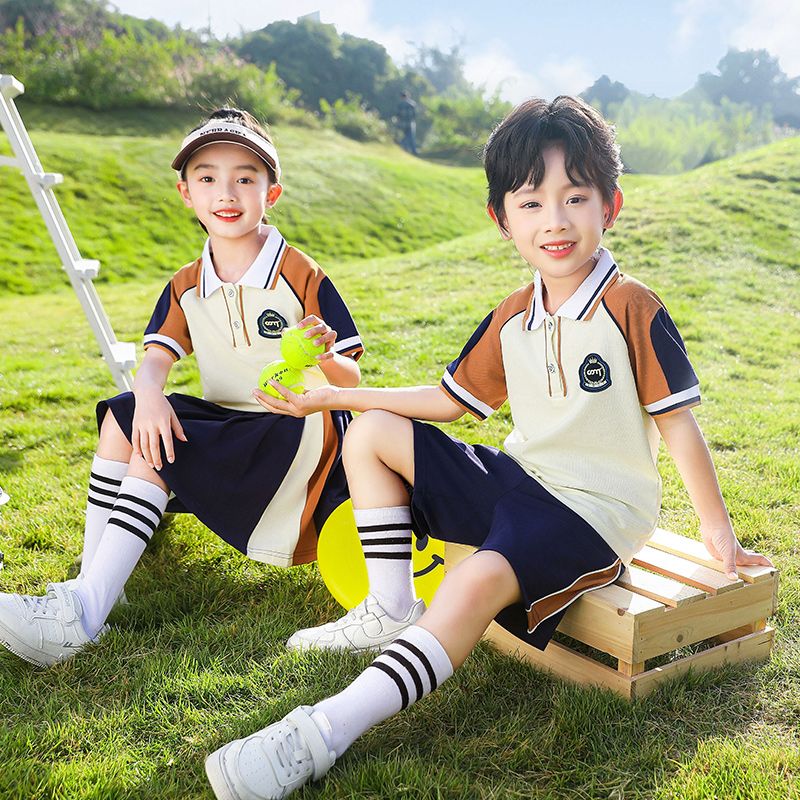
column 396, row 678
column 98, row 490
column 99, row 503
column 103, row 478
column 422, row 657
column 143, row 503
column 386, row 540
column 387, row 554
column 136, row 515
column 389, row 526
column 412, row 670
column 132, row 528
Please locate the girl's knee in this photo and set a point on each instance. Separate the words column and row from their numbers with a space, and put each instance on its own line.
column 113, row 443
column 372, row 430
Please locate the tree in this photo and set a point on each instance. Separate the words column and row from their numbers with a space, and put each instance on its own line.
column 604, row 93
column 755, row 78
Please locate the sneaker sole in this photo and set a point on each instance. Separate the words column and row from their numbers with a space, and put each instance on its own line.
column 20, row 649
column 215, row 770
column 303, row 646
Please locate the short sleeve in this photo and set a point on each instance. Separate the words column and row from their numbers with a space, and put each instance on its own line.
column 335, row 312
column 665, row 378
column 168, row 328
column 476, row 380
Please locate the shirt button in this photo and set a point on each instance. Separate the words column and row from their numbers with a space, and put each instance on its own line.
column 551, row 367
column 550, row 324
column 235, row 324
column 231, row 293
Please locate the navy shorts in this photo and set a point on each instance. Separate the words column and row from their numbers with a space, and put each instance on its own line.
column 234, row 464
column 478, row 495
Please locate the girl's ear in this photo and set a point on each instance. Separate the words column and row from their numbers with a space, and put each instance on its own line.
column 503, row 232
column 183, row 191
column 273, row 193
column 613, row 212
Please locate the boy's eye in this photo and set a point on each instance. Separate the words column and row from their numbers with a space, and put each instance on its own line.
column 531, row 204
column 575, row 200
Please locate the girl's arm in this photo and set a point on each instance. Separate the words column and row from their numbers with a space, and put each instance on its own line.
column 688, row 449
column 154, row 419
column 414, row 402
column 339, row 370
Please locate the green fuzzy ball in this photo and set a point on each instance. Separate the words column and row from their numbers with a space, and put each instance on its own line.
column 298, row 351
column 283, row 373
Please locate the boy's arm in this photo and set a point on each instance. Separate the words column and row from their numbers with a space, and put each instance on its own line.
column 414, row 402
column 688, row 449
column 154, row 419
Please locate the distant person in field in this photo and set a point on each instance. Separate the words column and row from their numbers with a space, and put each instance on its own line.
column 263, row 482
column 406, row 115
column 594, row 371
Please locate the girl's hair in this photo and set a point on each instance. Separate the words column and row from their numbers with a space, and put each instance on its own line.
column 244, row 118
column 512, row 156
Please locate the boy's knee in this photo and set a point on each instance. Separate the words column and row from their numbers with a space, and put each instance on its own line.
column 489, row 578
column 371, row 430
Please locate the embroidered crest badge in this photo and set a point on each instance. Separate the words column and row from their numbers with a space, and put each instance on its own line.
column 271, row 324
column 595, row 374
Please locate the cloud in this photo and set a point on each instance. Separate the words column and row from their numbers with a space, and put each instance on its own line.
column 494, row 69
column 772, row 25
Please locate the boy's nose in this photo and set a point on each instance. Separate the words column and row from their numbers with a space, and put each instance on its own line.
column 556, row 220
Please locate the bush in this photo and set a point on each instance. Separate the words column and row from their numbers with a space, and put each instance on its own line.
column 352, row 119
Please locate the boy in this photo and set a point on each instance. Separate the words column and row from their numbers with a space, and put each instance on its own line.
column 593, row 368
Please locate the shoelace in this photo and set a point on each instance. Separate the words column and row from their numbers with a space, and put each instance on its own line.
column 41, row 605
column 291, row 754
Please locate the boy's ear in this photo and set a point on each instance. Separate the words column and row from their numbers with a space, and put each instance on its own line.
column 613, row 212
column 491, row 212
column 183, row 191
column 273, row 193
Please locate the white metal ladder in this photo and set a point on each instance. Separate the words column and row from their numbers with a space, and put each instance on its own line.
column 120, row 356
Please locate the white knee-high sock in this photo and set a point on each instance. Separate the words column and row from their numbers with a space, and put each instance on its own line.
column 410, row 668
column 136, row 514
column 104, row 481
column 385, row 535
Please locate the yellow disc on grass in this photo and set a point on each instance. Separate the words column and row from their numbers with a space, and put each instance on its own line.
column 344, row 568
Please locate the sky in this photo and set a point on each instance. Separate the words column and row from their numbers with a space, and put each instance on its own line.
column 530, row 48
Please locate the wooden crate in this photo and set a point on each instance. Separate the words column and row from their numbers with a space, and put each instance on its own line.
column 673, row 595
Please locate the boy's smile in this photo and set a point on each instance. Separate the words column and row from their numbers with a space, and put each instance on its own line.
column 556, row 227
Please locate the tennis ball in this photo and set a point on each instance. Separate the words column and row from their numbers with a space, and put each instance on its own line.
column 283, row 373
column 298, row 351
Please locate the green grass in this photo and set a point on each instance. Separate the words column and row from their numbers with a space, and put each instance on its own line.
column 341, row 200
column 197, row 658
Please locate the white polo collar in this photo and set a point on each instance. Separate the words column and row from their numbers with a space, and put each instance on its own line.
column 260, row 274
column 580, row 304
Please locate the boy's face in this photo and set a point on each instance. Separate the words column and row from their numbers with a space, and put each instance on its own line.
column 556, row 226
column 229, row 188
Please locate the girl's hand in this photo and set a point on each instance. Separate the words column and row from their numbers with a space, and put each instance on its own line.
column 154, row 421
column 722, row 544
column 321, row 333
column 297, row 405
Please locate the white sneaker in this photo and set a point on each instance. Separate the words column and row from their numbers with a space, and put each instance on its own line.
column 271, row 763
column 366, row 627
column 44, row 630
column 74, row 583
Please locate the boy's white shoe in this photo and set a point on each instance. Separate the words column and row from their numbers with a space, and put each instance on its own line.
column 271, row 763
column 366, row 627
column 44, row 629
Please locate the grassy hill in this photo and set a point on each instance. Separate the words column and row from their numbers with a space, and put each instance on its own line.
column 197, row 658
column 342, row 200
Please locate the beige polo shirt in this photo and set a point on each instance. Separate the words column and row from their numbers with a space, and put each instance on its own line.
column 583, row 386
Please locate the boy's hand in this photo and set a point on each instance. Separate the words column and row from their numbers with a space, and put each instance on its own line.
column 722, row 544
column 321, row 333
column 154, row 421
column 297, row 405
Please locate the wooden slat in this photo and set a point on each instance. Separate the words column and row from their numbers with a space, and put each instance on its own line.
column 695, row 551
column 562, row 661
column 677, row 627
column 665, row 590
column 685, row 571
column 753, row 647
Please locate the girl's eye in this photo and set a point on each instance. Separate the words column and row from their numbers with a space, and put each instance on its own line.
column 245, row 180
column 206, row 179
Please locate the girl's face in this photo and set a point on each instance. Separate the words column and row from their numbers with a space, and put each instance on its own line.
column 229, row 188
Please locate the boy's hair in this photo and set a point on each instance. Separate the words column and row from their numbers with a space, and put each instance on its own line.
column 244, row 118
column 512, row 156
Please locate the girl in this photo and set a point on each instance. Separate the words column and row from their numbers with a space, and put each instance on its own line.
column 263, row 482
